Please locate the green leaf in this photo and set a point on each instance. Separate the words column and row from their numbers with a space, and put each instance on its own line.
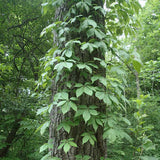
column 46, row 157
column 44, row 8
column 100, row 9
column 57, row 3
column 100, row 95
column 103, row 64
column 99, row 34
column 61, row 103
column 126, row 120
column 99, row 121
column 64, row 95
column 85, row 46
column 90, row 32
column 136, row 5
column 148, row 158
column 107, row 100
column 73, row 144
column 88, row 136
column 43, row 147
column 85, row 139
column 42, row 110
column 47, row 29
column 62, row 65
column 84, row 5
column 78, row 113
column 111, row 122
column 44, row 126
column 137, row 65
column 110, row 134
column 65, row 108
column 86, row 115
column 80, row 157
column 66, row 127
column 73, row 106
column 68, row 65
column 95, row 126
column 78, row 85
column 55, row 158
column 89, row 46
column 113, row 134
column 88, row 22
column 148, row 145
column 82, row 66
column 95, row 78
column 103, row 81
column 125, row 135
column 89, row 69
column 92, row 65
column 50, row 143
column 93, row 112
column 93, row 107
column 68, row 53
column 88, row 91
column 100, row 78
column 136, row 60
column 74, row 99
column 114, row 99
column 61, row 145
column 91, row 141
column 79, row 92
column 66, row 147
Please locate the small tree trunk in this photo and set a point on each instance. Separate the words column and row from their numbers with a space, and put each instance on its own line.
column 138, row 85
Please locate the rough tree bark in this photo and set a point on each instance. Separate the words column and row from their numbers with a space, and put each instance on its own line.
column 99, row 149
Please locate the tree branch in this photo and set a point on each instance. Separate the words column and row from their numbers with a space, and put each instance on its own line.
column 23, row 23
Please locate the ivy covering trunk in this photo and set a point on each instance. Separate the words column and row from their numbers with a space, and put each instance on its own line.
column 87, row 100
column 77, row 82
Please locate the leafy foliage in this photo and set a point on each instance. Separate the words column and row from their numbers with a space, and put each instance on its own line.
column 83, row 85
column 20, row 50
column 90, row 96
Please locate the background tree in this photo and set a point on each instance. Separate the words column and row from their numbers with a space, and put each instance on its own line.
column 149, row 38
column 146, row 45
column 20, row 50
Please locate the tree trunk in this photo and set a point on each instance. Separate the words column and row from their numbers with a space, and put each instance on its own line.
column 99, row 149
column 10, row 138
column 138, row 85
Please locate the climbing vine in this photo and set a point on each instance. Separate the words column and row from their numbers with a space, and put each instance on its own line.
column 88, row 103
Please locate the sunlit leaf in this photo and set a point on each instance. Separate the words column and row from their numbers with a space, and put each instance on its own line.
column 43, row 147
column 66, row 147
column 44, row 126
column 86, row 115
